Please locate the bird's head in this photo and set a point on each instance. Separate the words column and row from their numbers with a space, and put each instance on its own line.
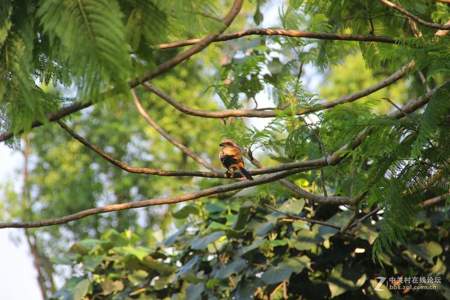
column 228, row 143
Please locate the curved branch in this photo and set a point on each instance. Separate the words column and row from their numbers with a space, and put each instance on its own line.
column 304, row 165
column 287, row 33
column 414, row 17
column 272, row 112
column 151, row 202
column 166, row 135
column 138, row 170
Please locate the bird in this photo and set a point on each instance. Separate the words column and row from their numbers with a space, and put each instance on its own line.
column 231, row 157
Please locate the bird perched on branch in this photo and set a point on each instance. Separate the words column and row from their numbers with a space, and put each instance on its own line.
column 231, row 157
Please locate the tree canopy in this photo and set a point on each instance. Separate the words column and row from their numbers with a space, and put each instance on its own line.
column 341, row 109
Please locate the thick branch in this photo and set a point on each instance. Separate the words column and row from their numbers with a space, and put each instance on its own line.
column 400, row 9
column 286, row 33
column 434, row 200
column 272, row 112
column 166, row 135
column 152, row 202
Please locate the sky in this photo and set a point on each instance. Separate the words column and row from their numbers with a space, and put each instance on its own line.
column 18, row 278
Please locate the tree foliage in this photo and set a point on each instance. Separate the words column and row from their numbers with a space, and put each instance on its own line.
column 386, row 152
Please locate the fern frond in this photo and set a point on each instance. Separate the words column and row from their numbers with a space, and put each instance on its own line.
column 90, row 38
column 436, row 111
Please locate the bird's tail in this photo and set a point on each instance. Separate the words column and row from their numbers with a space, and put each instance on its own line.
column 246, row 173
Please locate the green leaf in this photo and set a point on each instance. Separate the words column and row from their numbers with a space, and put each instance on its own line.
column 427, row 250
column 292, row 206
column 235, row 266
column 283, row 270
column 98, row 26
column 139, row 252
column 189, row 266
column 185, row 211
column 138, row 277
column 111, row 286
column 306, row 240
column 90, row 263
column 81, row 289
column 203, row 242
column 86, row 245
column 263, row 228
column 194, row 291
column 160, row 267
column 339, row 284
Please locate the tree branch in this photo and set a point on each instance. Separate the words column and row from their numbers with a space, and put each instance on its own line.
column 272, row 112
column 287, row 33
column 166, row 135
column 434, row 200
column 400, row 9
column 138, row 170
column 305, row 165
column 151, row 202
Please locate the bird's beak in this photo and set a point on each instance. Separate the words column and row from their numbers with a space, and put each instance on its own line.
column 221, row 144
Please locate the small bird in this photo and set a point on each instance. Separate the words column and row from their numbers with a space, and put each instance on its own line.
column 231, row 157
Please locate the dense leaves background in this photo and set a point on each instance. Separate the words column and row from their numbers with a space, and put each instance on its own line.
column 253, row 243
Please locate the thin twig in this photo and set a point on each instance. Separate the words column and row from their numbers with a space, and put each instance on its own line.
column 166, row 135
column 394, row 105
column 365, row 217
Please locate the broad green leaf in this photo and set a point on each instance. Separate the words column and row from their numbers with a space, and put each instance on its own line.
column 203, row 242
column 111, row 286
column 235, row 266
column 194, row 291
column 185, row 211
column 283, row 270
column 160, row 267
column 81, row 289
column 138, row 252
